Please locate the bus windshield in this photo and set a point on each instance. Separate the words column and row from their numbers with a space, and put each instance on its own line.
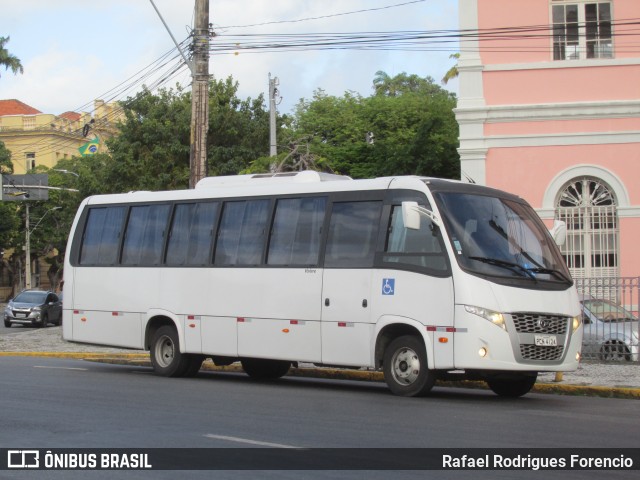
column 503, row 239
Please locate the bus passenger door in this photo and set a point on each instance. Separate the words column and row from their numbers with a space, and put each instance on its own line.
column 346, row 289
column 346, row 318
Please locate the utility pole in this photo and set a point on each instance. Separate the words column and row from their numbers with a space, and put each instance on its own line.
column 199, row 67
column 27, row 249
column 199, row 94
column 273, row 92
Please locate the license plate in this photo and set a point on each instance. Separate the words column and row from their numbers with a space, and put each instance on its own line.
column 21, row 315
column 546, row 341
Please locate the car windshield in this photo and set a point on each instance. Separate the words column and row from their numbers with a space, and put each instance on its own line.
column 607, row 311
column 31, row 297
column 502, row 238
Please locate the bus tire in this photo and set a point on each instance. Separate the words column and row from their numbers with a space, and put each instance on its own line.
column 166, row 358
column 615, row 351
column 512, row 387
column 405, row 367
column 262, row 369
column 195, row 363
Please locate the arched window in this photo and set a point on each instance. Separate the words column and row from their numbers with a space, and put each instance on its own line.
column 589, row 208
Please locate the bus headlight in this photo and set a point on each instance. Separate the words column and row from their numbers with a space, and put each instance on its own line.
column 577, row 321
column 494, row 317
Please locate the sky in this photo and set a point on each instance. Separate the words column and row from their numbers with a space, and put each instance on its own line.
column 76, row 51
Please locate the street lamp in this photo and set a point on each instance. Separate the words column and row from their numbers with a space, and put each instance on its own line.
column 27, row 243
column 69, row 172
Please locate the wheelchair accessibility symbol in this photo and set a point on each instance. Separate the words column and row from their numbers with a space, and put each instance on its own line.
column 388, row 286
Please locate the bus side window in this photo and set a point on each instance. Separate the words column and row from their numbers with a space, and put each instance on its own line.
column 420, row 248
column 296, row 232
column 192, row 233
column 242, row 233
column 353, row 231
column 101, row 240
column 144, row 237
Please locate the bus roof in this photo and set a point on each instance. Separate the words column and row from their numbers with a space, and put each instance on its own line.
column 290, row 183
column 305, row 176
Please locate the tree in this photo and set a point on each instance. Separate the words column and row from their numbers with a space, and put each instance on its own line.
column 6, row 166
column 238, row 129
column 7, row 60
column 385, row 85
column 453, row 71
column 414, row 131
column 152, row 150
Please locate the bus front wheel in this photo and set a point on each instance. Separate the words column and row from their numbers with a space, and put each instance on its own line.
column 512, row 387
column 166, row 358
column 405, row 367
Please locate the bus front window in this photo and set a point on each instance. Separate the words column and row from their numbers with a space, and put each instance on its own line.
column 501, row 238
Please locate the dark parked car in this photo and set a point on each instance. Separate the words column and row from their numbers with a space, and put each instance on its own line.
column 34, row 307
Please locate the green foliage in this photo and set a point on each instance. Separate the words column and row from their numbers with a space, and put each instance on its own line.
column 7, row 60
column 152, row 150
column 6, row 166
column 453, row 71
column 238, row 129
column 412, row 121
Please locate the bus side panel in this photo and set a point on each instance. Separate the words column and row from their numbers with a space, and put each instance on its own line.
column 426, row 299
column 277, row 311
column 279, row 339
column 346, row 317
column 219, row 336
column 108, row 304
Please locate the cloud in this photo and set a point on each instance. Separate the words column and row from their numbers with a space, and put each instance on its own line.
column 85, row 48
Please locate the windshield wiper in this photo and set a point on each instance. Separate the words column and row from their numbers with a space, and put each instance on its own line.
column 551, row 271
column 504, row 264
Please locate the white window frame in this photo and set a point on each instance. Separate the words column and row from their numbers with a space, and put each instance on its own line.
column 580, row 52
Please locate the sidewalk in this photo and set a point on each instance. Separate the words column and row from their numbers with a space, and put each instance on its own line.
column 619, row 380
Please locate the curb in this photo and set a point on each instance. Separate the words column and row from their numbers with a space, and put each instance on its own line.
column 142, row 359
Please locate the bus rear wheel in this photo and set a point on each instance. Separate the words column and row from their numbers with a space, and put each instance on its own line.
column 512, row 387
column 261, row 369
column 405, row 367
column 166, row 358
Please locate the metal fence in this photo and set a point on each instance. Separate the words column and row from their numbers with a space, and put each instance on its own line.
column 610, row 318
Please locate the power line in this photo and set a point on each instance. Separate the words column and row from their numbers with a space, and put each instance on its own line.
column 156, row 67
column 403, row 40
column 321, row 17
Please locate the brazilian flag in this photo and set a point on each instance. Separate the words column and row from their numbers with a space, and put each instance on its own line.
column 90, row 148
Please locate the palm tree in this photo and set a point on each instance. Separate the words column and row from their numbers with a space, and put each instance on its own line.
column 453, row 71
column 7, row 60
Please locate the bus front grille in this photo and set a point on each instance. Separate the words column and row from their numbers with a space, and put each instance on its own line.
column 538, row 323
column 534, row 352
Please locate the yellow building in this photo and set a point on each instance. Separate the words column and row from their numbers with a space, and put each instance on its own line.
column 42, row 139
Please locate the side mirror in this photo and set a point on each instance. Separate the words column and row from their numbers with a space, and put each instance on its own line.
column 559, row 232
column 411, row 213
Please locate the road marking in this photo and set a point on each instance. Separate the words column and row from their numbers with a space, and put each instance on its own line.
column 61, row 368
column 248, row 441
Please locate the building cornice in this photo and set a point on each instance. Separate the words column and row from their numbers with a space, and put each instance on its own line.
column 550, row 111
column 548, row 140
column 563, row 64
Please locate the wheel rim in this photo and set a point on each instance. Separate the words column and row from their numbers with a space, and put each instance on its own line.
column 614, row 352
column 164, row 351
column 405, row 366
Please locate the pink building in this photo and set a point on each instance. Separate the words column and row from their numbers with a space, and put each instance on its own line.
column 549, row 109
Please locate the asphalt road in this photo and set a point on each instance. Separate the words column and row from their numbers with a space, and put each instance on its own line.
column 60, row 403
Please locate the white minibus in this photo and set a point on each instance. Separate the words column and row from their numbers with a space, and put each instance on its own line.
column 425, row 279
